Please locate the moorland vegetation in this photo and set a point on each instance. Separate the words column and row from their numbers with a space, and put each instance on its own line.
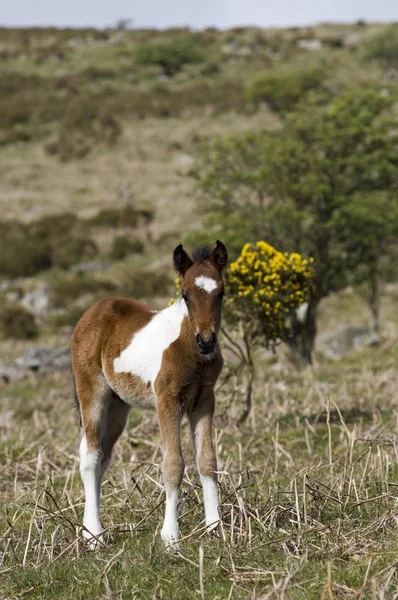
column 115, row 146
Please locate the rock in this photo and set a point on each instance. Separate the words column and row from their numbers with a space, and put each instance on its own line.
column 44, row 359
column 36, row 360
column 346, row 340
column 37, row 301
column 10, row 373
column 352, row 39
column 13, row 296
column 234, row 49
column 89, row 266
column 244, row 52
column 309, row 44
column 184, row 161
column 229, row 49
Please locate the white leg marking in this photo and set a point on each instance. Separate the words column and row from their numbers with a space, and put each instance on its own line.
column 90, row 469
column 170, row 532
column 210, row 499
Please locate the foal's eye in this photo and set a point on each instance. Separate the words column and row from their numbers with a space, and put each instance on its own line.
column 185, row 298
column 220, row 295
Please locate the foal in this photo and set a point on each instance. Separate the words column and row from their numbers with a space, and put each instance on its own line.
column 124, row 355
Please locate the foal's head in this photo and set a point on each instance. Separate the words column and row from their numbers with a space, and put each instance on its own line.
column 202, row 289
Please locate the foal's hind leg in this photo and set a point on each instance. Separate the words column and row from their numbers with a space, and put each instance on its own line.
column 94, row 398
column 104, row 417
column 115, row 422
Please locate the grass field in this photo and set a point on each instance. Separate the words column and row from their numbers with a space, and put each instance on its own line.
column 308, row 489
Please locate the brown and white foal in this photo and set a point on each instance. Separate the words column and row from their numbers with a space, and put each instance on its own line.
column 124, row 355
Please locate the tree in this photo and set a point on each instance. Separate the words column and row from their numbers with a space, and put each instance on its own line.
column 383, row 45
column 368, row 227
column 229, row 174
column 296, row 186
column 172, row 54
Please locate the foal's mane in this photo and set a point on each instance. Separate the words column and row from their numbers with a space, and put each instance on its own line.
column 201, row 253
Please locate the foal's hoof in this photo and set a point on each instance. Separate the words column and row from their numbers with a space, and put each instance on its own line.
column 93, row 542
column 170, row 541
column 212, row 527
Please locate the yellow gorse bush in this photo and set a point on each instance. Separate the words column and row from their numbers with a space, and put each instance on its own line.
column 267, row 285
column 177, row 283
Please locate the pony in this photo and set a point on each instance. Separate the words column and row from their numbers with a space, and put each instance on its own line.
column 124, row 355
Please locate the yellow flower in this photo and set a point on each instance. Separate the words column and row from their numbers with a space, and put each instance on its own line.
column 269, row 284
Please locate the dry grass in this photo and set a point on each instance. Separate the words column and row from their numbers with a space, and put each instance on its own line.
column 308, row 489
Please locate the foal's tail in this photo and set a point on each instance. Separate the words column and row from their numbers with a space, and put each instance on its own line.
column 76, row 399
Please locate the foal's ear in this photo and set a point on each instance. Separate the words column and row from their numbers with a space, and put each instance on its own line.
column 219, row 256
column 182, row 261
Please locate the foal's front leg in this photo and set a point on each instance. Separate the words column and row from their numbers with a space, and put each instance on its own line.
column 170, row 415
column 201, row 421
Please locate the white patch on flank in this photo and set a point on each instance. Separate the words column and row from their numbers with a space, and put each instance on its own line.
column 143, row 356
column 170, row 533
column 210, row 499
column 90, row 469
column 301, row 312
column 206, row 283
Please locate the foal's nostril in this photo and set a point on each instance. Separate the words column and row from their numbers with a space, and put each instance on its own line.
column 206, row 346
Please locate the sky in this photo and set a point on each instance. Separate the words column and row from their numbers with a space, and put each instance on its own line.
column 193, row 13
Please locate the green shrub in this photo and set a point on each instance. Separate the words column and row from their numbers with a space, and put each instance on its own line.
column 67, row 318
column 11, row 82
column 282, row 91
column 54, row 241
column 127, row 216
column 333, row 41
column 171, row 55
column 210, row 68
column 145, row 284
column 17, row 323
column 66, row 238
column 69, row 145
column 68, row 289
column 384, row 45
column 28, row 104
column 97, row 74
column 123, row 246
column 76, row 293
column 21, row 254
column 84, row 124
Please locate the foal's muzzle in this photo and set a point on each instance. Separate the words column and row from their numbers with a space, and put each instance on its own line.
column 206, row 346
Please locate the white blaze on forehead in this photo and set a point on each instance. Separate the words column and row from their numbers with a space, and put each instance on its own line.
column 206, row 283
column 143, row 356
